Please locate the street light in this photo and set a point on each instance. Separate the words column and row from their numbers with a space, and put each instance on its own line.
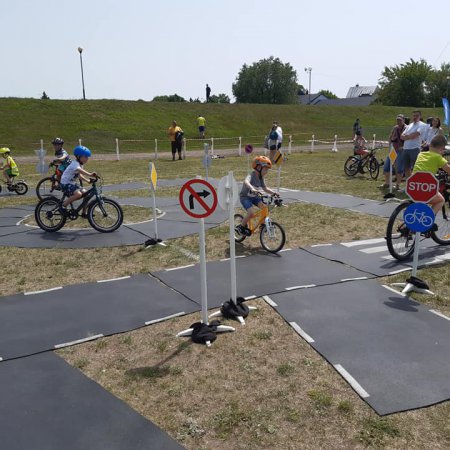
column 308, row 69
column 80, row 50
column 448, row 81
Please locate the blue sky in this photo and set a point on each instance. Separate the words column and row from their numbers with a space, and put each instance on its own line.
column 138, row 49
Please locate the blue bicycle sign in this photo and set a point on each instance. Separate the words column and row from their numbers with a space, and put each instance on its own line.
column 418, row 217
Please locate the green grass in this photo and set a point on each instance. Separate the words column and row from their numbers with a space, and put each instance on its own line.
column 99, row 122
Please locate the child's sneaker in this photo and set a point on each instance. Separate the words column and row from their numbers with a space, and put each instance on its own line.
column 243, row 231
column 63, row 210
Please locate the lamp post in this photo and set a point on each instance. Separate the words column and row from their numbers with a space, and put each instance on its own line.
column 448, row 82
column 308, row 69
column 80, row 51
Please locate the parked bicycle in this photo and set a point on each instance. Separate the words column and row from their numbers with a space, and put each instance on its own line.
column 19, row 187
column 50, row 185
column 271, row 234
column 104, row 214
column 400, row 239
column 363, row 160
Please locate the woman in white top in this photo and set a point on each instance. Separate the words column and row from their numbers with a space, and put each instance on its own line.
column 434, row 130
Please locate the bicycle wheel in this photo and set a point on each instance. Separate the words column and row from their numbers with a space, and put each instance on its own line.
column 47, row 215
column 46, row 187
column 105, row 215
column 399, row 238
column 21, row 188
column 272, row 239
column 238, row 218
column 351, row 166
column 374, row 168
column 442, row 234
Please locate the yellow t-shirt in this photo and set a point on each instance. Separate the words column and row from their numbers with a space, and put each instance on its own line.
column 11, row 164
column 173, row 131
column 429, row 162
column 201, row 121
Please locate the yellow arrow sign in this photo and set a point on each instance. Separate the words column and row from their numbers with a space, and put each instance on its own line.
column 278, row 158
column 153, row 176
column 392, row 155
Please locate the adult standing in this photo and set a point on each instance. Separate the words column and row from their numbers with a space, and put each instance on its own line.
column 279, row 131
column 412, row 138
column 273, row 142
column 434, row 130
column 208, row 93
column 356, row 130
column 175, row 134
column 201, row 123
column 397, row 143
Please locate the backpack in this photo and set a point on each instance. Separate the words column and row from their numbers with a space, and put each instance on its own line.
column 273, row 136
column 179, row 136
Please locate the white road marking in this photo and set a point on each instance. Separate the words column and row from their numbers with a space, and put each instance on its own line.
column 393, row 290
column 439, row 314
column 43, row 291
column 394, row 272
column 181, row 267
column 370, row 250
column 269, row 301
column 305, row 286
column 285, row 250
column 250, row 297
column 79, row 341
column 299, row 331
column 114, row 279
column 321, row 245
column 365, row 242
column 354, row 279
column 351, row 381
column 162, row 319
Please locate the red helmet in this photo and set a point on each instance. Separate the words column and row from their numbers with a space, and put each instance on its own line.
column 262, row 161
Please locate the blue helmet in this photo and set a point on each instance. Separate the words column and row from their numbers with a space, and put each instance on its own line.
column 81, row 151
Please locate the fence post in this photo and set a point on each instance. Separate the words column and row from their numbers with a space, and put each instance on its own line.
column 79, row 141
column 373, row 142
column 312, row 144
column 117, row 150
column 212, row 146
column 184, row 148
column 240, row 146
column 290, row 144
column 156, row 148
column 335, row 149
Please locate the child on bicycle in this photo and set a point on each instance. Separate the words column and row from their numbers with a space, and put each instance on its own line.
column 432, row 161
column 72, row 174
column 62, row 158
column 9, row 167
column 253, row 184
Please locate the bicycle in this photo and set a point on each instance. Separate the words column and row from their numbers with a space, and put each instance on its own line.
column 48, row 185
column 363, row 159
column 19, row 187
column 104, row 214
column 272, row 235
column 400, row 239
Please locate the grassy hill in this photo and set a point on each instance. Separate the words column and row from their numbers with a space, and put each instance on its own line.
column 98, row 122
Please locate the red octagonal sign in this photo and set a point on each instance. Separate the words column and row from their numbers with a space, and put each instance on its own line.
column 422, row 186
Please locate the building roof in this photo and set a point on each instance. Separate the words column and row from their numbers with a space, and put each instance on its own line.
column 365, row 100
column 314, row 99
column 359, row 91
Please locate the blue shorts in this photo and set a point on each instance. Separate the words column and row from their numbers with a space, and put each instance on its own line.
column 70, row 189
column 409, row 157
column 201, row 129
column 249, row 202
column 398, row 163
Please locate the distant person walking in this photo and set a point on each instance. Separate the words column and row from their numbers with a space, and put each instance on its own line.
column 279, row 131
column 273, row 142
column 412, row 138
column 357, row 130
column 208, row 93
column 201, row 123
column 175, row 134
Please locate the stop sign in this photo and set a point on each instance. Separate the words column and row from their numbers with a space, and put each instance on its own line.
column 422, row 186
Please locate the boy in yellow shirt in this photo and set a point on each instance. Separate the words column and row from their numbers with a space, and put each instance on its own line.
column 432, row 161
column 10, row 169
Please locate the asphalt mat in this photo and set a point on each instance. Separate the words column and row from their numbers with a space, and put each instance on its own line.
column 372, row 255
column 49, row 405
column 393, row 351
column 44, row 320
column 260, row 274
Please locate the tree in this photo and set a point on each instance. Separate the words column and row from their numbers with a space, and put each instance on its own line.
column 438, row 84
column 327, row 94
column 45, row 96
column 405, row 85
column 220, row 98
column 169, row 98
column 266, row 81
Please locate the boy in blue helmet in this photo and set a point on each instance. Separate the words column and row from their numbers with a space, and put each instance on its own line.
column 73, row 173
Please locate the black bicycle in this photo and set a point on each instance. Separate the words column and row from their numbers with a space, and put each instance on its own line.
column 104, row 214
column 400, row 239
column 366, row 161
column 19, row 187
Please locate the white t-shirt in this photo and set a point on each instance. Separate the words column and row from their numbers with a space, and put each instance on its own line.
column 414, row 127
column 280, row 134
column 70, row 175
column 431, row 133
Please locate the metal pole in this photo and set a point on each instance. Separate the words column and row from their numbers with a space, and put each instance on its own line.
column 117, row 149
column 80, row 50
column 309, row 69
column 203, row 286
column 232, row 241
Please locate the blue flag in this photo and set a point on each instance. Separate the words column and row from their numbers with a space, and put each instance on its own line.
column 446, row 110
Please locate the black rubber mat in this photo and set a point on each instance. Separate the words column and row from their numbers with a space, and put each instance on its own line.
column 373, row 256
column 258, row 275
column 42, row 321
column 392, row 350
column 48, row 405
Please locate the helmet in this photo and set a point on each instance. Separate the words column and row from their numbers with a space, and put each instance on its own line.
column 4, row 150
column 262, row 161
column 81, row 150
column 58, row 141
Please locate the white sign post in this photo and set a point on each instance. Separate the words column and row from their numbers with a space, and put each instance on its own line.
column 392, row 158
column 153, row 180
column 198, row 199
column 41, row 167
column 206, row 159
